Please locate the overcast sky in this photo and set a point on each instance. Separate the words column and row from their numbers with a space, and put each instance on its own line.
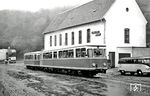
column 35, row 5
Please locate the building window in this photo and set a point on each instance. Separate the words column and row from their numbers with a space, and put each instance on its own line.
column 72, row 38
column 88, row 35
column 50, row 40
column 80, row 37
column 66, row 39
column 127, row 35
column 60, row 39
column 55, row 40
column 127, row 9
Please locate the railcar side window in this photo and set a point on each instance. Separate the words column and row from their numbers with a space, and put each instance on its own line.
column 47, row 55
column 38, row 56
column 140, row 61
column 55, row 54
column 50, row 55
column 35, row 56
column 78, row 53
column 83, row 52
column 70, row 53
column 65, row 53
column 90, row 52
column 60, row 54
column 29, row 57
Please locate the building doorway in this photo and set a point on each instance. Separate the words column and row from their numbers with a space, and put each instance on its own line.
column 112, row 59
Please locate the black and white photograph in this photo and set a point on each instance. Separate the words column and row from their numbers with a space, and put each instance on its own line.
column 74, row 47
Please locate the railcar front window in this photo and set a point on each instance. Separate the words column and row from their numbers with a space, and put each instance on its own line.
column 26, row 57
column 97, row 52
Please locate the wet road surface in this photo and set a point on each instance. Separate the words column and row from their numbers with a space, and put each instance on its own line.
column 16, row 80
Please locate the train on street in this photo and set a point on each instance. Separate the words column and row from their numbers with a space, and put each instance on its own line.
column 81, row 61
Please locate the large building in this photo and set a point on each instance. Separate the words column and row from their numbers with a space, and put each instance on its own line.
column 117, row 26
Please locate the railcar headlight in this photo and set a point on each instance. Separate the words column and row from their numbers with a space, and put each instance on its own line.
column 147, row 67
column 104, row 64
column 94, row 65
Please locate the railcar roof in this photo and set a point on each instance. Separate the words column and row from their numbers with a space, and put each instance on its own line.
column 36, row 52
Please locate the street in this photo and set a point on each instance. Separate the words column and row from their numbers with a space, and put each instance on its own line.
column 16, row 80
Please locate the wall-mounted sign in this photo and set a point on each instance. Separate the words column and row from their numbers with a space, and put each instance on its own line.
column 96, row 33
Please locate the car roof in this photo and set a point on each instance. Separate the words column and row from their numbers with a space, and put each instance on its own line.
column 134, row 58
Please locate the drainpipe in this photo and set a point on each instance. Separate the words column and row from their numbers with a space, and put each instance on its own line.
column 104, row 21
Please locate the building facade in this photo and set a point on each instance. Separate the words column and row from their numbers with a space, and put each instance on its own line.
column 114, row 25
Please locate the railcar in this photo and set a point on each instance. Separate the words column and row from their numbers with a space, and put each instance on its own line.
column 32, row 58
column 83, row 61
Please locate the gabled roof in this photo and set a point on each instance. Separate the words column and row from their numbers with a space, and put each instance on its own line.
column 89, row 12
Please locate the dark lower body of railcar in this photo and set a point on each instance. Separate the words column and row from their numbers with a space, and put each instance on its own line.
column 80, row 67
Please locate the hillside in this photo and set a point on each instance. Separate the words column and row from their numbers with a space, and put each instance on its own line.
column 23, row 30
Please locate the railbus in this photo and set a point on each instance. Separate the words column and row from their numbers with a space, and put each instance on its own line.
column 84, row 61
column 132, row 65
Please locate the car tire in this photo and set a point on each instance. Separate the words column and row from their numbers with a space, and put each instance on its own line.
column 122, row 72
column 139, row 73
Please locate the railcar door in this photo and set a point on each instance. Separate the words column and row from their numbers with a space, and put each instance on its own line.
column 112, row 59
column 37, row 59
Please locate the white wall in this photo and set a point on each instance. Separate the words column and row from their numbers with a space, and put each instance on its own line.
column 95, row 40
column 117, row 19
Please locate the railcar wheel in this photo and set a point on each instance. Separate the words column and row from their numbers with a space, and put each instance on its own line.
column 90, row 75
column 139, row 73
column 122, row 72
column 69, row 72
column 103, row 71
column 132, row 73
